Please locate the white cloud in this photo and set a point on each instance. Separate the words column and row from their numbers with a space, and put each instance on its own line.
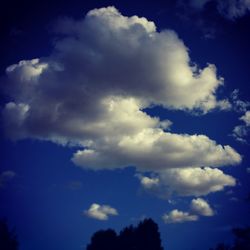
column 100, row 212
column 66, row 92
column 92, row 93
column 200, row 207
column 153, row 149
column 176, row 216
column 149, row 183
column 5, row 177
column 187, row 182
column 246, row 118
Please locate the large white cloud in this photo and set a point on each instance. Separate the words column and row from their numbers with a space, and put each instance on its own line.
column 130, row 59
column 154, row 148
column 92, row 91
column 100, row 212
column 187, row 182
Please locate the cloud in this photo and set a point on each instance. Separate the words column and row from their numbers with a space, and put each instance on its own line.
column 92, row 93
column 237, row 104
column 100, row 212
column 200, row 207
column 5, row 177
column 234, row 9
column 176, row 216
column 77, row 82
column 154, row 149
column 231, row 10
column 187, row 182
column 240, row 132
column 246, row 118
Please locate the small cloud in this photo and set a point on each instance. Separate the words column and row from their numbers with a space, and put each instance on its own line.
column 5, row 177
column 200, row 207
column 149, row 183
column 100, row 212
column 246, row 118
column 176, row 216
column 237, row 103
column 240, row 132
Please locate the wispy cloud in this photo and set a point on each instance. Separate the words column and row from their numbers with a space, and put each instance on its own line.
column 231, row 10
column 5, row 177
column 241, row 132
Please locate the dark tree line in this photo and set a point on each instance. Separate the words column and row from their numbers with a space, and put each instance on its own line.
column 8, row 239
column 145, row 236
column 242, row 240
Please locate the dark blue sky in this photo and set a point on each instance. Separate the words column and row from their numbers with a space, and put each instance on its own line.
column 96, row 88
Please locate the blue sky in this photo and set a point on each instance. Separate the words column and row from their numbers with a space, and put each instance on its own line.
column 113, row 111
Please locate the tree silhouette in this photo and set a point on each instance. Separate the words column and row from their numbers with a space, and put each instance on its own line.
column 242, row 240
column 145, row 236
column 148, row 236
column 104, row 239
column 127, row 238
column 8, row 239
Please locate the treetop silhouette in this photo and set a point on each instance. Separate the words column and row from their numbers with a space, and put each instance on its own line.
column 145, row 236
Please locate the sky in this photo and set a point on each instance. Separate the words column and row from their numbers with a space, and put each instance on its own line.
column 115, row 111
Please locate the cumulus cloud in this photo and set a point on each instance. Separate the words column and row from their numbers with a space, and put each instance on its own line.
column 176, row 216
column 187, row 182
column 84, row 72
column 92, row 92
column 240, row 132
column 246, row 118
column 100, row 212
column 200, row 207
column 5, row 177
column 154, row 148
